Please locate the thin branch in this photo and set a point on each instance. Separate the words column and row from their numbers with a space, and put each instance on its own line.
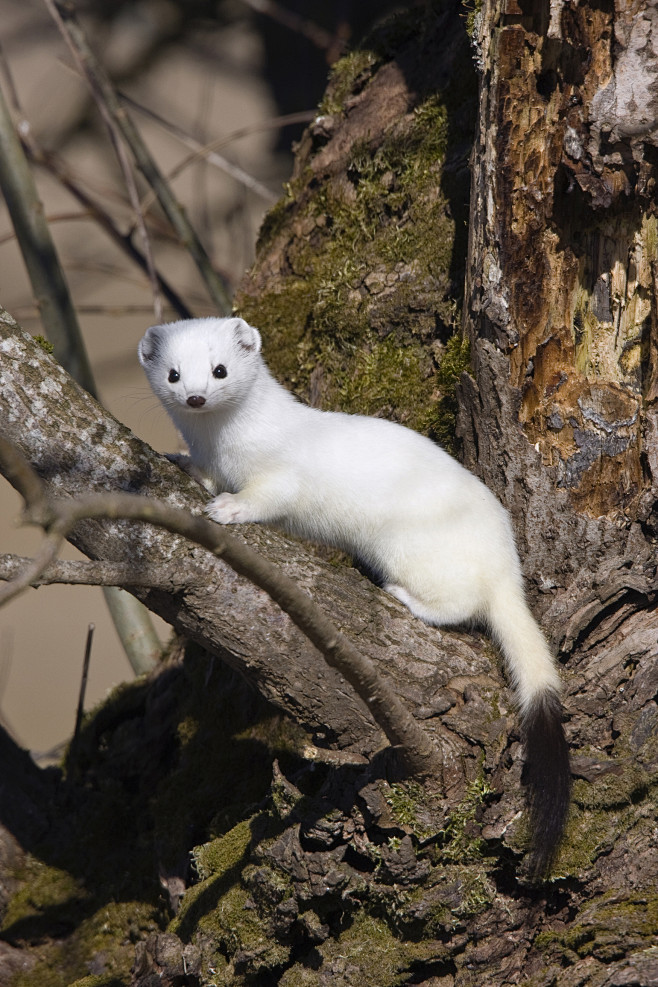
column 49, row 550
column 46, row 276
column 62, row 328
column 209, row 152
column 273, row 123
column 52, row 163
column 83, row 685
column 124, row 162
column 317, row 35
column 104, row 92
column 84, row 573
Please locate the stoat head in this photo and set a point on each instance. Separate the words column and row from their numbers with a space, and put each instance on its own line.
column 197, row 366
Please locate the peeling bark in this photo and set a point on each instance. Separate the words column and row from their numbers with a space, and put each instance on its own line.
column 563, row 242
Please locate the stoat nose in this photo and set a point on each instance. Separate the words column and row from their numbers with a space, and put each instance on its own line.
column 196, row 401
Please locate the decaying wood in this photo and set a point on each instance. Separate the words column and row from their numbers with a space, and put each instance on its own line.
column 560, row 415
column 561, row 310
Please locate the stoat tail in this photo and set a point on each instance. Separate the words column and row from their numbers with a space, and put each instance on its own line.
column 547, row 773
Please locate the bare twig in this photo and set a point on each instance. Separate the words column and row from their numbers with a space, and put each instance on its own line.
column 84, row 573
column 46, row 276
column 47, row 553
column 121, row 154
column 62, row 328
column 83, row 683
column 56, row 167
column 106, row 96
column 209, row 151
column 388, row 711
column 317, row 35
column 75, row 740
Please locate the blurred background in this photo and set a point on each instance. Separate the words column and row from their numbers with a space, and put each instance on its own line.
column 241, row 76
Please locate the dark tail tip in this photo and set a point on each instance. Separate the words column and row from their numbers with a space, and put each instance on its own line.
column 547, row 776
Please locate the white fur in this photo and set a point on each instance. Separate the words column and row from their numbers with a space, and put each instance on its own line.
column 438, row 537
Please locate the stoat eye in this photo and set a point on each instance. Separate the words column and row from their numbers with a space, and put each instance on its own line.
column 219, row 371
column 173, row 377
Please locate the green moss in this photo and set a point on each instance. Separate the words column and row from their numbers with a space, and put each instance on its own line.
column 410, row 803
column 223, row 854
column 99, row 981
column 574, row 942
column 43, row 888
column 455, row 361
column 369, row 954
column 45, row 344
column 221, row 911
column 348, row 75
column 613, row 790
column 190, row 751
column 586, row 834
column 227, row 738
column 461, row 837
column 106, row 936
column 477, row 892
column 607, row 929
column 473, row 10
column 368, row 283
column 380, row 379
column 402, row 797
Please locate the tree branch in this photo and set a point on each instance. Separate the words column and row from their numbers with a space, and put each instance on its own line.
column 78, row 449
column 59, row 518
column 81, row 573
column 47, row 553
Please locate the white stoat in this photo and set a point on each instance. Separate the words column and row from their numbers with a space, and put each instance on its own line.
column 435, row 535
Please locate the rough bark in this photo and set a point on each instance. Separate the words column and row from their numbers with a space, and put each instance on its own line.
column 560, row 415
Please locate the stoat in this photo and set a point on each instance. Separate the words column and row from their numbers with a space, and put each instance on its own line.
column 433, row 533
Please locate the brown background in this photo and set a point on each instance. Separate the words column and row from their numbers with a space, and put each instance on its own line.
column 210, row 84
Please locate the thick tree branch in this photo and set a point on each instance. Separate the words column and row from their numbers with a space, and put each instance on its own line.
column 60, row 517
column 77, row 448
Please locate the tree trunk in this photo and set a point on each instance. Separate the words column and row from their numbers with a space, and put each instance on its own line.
column 343, row 877
column 560, row 419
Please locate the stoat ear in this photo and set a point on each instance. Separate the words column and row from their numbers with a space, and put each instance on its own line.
column 246, row 336
column 149, row 344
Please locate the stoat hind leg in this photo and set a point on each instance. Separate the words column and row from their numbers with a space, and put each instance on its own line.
column 447, row 614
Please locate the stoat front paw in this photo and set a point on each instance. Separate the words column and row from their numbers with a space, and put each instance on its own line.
column 227, row 509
